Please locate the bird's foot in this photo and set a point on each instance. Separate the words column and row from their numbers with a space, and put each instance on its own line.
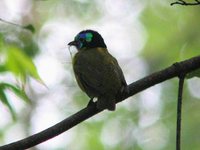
column 91, row 102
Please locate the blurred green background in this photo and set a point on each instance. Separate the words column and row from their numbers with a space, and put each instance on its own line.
column 38, row 88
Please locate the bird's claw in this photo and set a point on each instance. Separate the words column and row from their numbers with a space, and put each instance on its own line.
column 91, row 102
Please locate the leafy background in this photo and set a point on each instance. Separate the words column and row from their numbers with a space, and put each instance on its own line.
column 37, row 85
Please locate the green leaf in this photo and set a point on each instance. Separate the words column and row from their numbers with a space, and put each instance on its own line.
column 18, row 91
column 5, row 101
column 21, row 65
column 30, row 27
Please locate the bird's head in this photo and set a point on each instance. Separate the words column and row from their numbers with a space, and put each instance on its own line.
column 88, row 39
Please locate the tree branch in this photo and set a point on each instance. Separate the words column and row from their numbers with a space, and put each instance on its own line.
column 179, row 110
column 134, row 88
column 182, row 2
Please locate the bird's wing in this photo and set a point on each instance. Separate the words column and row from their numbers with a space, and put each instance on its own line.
column 98, row 72
column 89, row 78
column 119, row 72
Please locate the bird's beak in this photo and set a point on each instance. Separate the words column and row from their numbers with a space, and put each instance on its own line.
column 72, row 43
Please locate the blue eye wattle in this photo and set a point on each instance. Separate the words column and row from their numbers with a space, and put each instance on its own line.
column 83, row 39
column 80, row 44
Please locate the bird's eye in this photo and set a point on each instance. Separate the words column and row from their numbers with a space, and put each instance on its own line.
column 81, row 39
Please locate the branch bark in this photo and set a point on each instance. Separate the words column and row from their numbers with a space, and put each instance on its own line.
column 179, row 111
column 134, row 88
column 182, row 2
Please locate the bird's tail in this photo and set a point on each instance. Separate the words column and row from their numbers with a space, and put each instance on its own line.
column 106, row 103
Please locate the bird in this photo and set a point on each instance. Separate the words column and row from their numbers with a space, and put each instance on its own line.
column 97, row 72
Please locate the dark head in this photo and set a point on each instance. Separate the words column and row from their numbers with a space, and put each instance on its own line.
column 88, row 39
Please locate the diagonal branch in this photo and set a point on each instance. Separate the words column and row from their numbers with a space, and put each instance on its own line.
column 182, row 2
column 134, row 88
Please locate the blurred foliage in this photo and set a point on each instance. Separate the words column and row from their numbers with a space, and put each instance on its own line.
column 16, row 48
column 19, row 36
column 29, row 27
column 174, row 35
column 20, row 65
column 83, row 11
column 17, row 90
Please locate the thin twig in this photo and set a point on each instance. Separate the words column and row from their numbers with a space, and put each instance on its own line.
column 179, row 110
column 182, row 2
column 11, row 23
column 134, row 88
column 28, row 27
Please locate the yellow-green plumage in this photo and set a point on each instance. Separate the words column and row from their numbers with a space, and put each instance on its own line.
column 99, row 75
column 97, row 72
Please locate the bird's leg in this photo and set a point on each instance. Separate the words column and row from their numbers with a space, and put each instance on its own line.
column 91, row 102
